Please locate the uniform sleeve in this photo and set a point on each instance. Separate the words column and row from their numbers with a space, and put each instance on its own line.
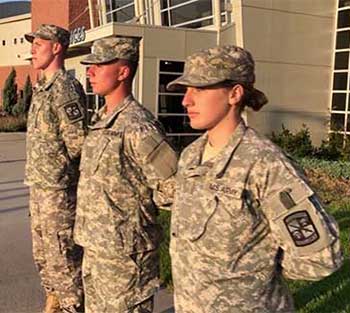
column 151, row 151
column 307, row 234
column 73, row 123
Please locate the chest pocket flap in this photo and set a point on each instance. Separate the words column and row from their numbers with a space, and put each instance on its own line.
column 92, row 154
column 201, row 217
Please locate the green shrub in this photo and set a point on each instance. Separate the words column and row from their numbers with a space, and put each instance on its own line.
column 165, row 262
column 334, row 169
column 297, row 145
column 27, row 94
column 19, row 108
column 10, row 92
column 330, row 149
column 13, row 123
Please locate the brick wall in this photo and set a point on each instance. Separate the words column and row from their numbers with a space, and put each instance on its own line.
column 69, row 14
column 50, row 12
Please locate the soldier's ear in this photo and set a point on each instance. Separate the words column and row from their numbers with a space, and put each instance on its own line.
column 124, row 72
column 236, row 94
column 57, row 48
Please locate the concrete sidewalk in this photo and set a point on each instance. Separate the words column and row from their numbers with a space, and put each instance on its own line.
column 20, row 290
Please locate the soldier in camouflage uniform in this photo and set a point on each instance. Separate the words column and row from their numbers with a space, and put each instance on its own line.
column 56, row 130
column 125, row 160
column 244, row 217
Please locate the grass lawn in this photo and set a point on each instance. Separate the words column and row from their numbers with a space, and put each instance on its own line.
column 332, row 294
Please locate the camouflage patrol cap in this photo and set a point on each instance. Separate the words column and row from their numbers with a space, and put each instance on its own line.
column 108, row 49
column 50, row 32
column 217, row 65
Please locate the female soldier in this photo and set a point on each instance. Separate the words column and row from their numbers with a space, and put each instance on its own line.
column 244, row 216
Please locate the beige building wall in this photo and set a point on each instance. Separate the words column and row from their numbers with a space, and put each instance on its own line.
column 13, row 46
column 292, row 42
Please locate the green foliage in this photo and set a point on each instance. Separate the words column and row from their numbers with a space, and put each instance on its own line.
column 13, row 123
column 297, row 145
column 27, row 93
column 165, row 262
column 10, row 92
column 23, row 104
column 331, row 149
column 334, row 169
column 19, row 108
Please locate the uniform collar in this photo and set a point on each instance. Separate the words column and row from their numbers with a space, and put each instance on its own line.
column 218, row 165
column 106, row 121
column 45, row 85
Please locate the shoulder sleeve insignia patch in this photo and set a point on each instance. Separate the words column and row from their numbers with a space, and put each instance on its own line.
column 301, row 228
column 73, row 111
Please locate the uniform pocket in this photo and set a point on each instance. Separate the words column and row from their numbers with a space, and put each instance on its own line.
column 92, row 153
column 208, row 209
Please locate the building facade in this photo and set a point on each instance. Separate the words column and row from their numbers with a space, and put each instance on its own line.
column 301, row 48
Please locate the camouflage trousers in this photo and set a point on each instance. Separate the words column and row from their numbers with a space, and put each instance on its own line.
column 120, row 284
column 57, row 258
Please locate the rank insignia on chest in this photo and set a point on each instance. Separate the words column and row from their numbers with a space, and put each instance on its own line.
column 73, row 111
column 301, row 228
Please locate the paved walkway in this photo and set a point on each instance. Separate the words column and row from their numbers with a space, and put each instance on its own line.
column 20, row 290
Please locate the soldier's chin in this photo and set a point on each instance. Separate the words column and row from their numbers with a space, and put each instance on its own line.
column 197, row 126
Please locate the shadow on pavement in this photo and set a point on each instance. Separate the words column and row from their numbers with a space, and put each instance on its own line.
column 13, row 209
column 13, row 189
column 11, row 182
column 12, row 161
column 15, row 196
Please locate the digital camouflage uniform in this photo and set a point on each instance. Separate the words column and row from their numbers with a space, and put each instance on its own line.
column 125, row 159
column 56, row 129
column 245, row 219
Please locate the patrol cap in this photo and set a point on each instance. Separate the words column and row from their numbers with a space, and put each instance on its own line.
column 108, row 49
column 221, row 64
column 50, row 32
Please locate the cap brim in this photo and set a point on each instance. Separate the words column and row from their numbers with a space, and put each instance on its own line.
column 29, row 37
column 191, row 81
column 94, row 59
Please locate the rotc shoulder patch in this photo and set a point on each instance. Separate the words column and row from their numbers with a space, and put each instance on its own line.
column 73, row 111
column 301, row 228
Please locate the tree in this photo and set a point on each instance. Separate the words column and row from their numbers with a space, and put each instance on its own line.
column 10, row 92
column 23, row 103
column 27, row 93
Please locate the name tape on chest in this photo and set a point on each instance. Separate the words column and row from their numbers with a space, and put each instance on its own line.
column 223, row 189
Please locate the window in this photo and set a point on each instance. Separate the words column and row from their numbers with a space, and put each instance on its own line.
column 191, row 13
column 344, row 3
column 120, row 10
column 22, row 40
column 4, row 42
column 170, row 111
column 340, row 106
column 15, row 41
